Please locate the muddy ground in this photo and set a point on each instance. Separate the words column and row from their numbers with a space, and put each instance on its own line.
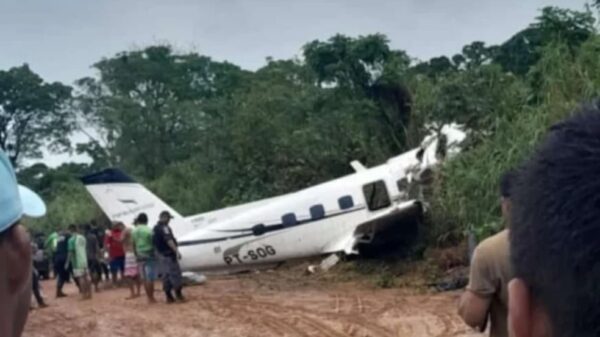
column 258, row 304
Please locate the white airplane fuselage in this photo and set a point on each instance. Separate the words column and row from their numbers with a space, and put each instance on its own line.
column 318, row 220
column 327, row 218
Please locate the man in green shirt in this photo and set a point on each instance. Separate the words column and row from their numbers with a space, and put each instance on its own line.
column 51, row 243
column 144, row 251
column 78, row 259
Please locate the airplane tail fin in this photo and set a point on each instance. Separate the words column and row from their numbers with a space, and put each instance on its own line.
column 121, row 198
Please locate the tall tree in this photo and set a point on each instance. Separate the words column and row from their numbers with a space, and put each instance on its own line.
column 33, row 114
column 151, row 105
column 353, row 63
column 524, row 49
column 366, row 66
column 476, row 53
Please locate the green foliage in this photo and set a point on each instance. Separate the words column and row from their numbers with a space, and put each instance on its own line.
column 32, row 113
column 385, row 280
column 72, row 205
column 67, row 200
column 523, row 50
column 365, row 67
column 476, row 54
column 351, row 63
column 150, row 105
column 201, row 191
column 480, row 98
column 467, row 191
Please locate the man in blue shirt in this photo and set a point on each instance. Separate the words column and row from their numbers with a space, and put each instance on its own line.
column 168, row 257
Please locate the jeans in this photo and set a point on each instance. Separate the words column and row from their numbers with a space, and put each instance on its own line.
column 171, row 273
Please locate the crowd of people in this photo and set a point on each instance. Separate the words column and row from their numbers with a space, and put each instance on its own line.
column 539, row 278
column 116, row 256
column 89, row 255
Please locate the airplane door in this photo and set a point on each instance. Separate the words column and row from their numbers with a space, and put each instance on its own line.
column 376, row 195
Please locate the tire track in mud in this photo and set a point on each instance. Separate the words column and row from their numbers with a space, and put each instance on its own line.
column 422, row 313
column 306, row 317
column 281, row 319
column 228, row 309
column 409, row 315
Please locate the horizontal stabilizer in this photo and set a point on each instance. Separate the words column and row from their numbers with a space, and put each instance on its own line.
column 108, row 176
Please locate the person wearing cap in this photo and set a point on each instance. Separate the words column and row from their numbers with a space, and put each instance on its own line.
column 16, row 201
column 144, row 252
column 487, row 291
column 168, row 257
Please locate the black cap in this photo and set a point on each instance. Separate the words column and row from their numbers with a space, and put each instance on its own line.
column 165, row 214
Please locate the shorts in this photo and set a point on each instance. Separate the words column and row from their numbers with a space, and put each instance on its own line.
column 149, row 269
column 117, row 264
column 131, row 265
column 79, row 272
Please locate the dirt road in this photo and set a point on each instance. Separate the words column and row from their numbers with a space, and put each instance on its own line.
column 247, row 306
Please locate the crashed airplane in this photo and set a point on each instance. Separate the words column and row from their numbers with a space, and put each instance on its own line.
column 332, row 217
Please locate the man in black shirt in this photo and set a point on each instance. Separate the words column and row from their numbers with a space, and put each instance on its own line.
column 35, row 279
column 60, row 259
column 168, row 257
column 93, row 255
column 99, row 231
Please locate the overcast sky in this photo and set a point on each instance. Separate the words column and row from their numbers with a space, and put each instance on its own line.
column 61, row 39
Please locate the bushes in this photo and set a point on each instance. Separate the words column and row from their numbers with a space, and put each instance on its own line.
column 466, row 193
column 71, row 205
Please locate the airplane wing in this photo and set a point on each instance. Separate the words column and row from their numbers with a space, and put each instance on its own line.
column 365, row 232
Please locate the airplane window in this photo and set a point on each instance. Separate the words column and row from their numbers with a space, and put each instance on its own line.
column 289, row 220
column 376, row 195
column 346, row 202
column 317, row 212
